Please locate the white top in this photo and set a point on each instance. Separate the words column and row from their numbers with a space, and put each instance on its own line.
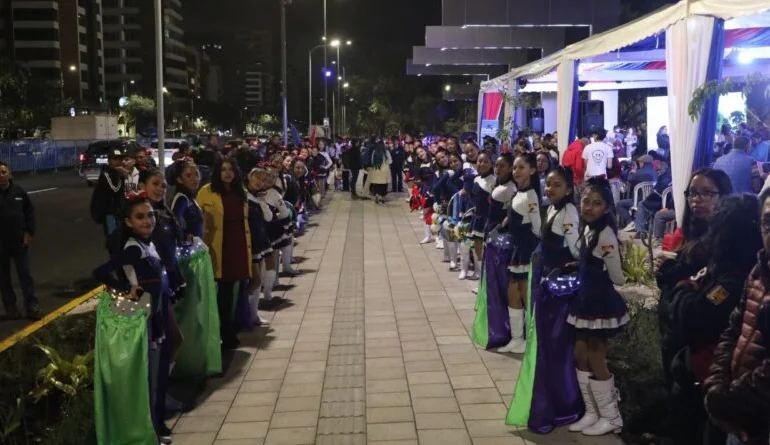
column 526, row 204
column 504, row 193
column 566, row 223
column 486, row 184
column 598, row 157
column 607, row 250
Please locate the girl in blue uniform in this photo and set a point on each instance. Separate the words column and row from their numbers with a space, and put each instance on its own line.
column 424, row 175
column 481, row 191
column 491, row 327
column 185, row 208
column 524, row 227
column 166, row 237
column 276, row 215
column 448, row 184
column 598, row 312
column 137, row 268
column 260, row 245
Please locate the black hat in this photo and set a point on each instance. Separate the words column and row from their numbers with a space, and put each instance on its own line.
column 116, row 153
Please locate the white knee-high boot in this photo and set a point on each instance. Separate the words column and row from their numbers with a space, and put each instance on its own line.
column 465, row 260
column 606, row 397
column 254, row 292
column 428, row 235
column 286, row 255
column 446, row 251
column 590, row 417
column 450, row 249
column 517, row 345
column 268, row 282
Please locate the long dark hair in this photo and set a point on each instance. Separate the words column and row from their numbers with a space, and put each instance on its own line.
column 569, row 198
column 178, row 172
column 508, row 158
column 219, row 187
column 693, row 229
column 602, row 187
column 534, row 178
column 117, row 239
column 734, row 238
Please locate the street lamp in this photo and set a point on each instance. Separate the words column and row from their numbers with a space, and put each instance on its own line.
column 345, row 85
column 336, row 43
column 159, row 88
column 448, row 88
column 327, row 74
column 73, row 68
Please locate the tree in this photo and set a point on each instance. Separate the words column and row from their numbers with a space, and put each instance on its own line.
column 26, row 102
column 138, row 109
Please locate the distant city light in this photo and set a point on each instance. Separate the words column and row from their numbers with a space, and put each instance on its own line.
column 345, row 85
column 448, row 88
column 132, row 82
column 328, row 73
column 335, row 43
column 339, row 77
column 349, row 42
column 73, row 68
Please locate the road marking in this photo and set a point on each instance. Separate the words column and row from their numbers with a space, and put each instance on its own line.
column 42, row 190
column 31, row 329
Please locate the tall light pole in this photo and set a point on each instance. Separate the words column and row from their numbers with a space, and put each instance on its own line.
column 310, row 86
column 159, row 88
column 337, row 43
column 284, row 90
column 326, row 66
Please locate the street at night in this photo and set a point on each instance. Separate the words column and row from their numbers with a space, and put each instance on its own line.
column 68, row 245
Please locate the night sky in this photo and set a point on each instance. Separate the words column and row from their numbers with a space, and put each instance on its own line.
column 383, row 32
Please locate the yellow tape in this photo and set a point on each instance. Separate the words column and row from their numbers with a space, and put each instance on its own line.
column 31, row 329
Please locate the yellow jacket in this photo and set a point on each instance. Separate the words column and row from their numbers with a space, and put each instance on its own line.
column 213, row 226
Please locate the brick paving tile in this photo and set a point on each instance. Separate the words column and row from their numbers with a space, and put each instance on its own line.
column 374, row 350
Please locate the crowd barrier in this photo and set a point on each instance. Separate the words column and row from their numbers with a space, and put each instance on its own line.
column 33, row 155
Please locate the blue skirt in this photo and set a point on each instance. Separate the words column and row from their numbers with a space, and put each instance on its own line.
column 598, row 309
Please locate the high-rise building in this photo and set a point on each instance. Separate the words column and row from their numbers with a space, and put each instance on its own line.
column 129, row 41
column 60, row 42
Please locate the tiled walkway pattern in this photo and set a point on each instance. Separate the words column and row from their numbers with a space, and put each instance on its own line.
column 374, row 350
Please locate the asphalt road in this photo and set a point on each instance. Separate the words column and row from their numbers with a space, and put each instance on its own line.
column 68, row 244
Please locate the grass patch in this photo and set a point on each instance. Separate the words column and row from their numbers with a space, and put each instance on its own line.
column 56, row 418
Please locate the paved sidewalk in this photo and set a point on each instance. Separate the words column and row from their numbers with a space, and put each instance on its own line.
column 374, row 350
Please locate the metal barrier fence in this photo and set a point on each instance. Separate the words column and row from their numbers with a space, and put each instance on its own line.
column 32, row 155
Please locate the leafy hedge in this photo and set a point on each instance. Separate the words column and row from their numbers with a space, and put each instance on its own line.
column 43, row 397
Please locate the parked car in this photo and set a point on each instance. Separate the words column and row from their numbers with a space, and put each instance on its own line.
column 94, row 159
column 170, row 146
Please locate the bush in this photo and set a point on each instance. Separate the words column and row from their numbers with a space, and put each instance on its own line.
column 636, row 264
column 635, row 358
column 56, row 418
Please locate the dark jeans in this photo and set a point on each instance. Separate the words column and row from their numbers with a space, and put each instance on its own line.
column 20, row 258
column 397, row 178
column 349, row 180
column 659, row 222
column 226, row 308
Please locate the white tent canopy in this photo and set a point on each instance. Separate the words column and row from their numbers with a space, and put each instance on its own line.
column 738, row 13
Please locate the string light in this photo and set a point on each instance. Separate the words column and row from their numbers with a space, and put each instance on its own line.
column 121, row 302
column 186, row 251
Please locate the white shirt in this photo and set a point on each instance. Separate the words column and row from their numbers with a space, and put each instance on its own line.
column 598, row 157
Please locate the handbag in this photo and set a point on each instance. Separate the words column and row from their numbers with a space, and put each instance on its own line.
column 560, row 284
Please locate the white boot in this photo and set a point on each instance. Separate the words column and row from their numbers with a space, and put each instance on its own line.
column 428, row 236
column 439, row 243
column 286, row 255
column 268, row 282
column 517, row 345
column 590, row 417
column 450, row 249
column 465, row 260
column 606, row 397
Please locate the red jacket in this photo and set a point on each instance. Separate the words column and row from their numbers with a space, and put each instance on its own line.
column 573, row 159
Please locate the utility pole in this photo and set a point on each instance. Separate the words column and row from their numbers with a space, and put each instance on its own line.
column 159, row 83
column 284, row 90
column 326, row 65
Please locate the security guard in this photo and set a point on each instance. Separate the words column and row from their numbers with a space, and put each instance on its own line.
column 17, row 219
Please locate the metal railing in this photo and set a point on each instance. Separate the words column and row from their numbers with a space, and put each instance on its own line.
column 33, row 155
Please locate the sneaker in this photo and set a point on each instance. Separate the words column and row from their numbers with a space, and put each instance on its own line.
column 164, row 434
column 629, row 228
column 462, row 276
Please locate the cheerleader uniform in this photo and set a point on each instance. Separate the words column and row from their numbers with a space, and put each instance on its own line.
column 139, row 264
column 426, row 175
column 550, row 397
column 524, row 227
column 276, row 227
column 599, row 309
column 189, row 214
column 283, row 185
column 448, row 185
column 491, row 326
column 481, row 194
column 258, row 214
